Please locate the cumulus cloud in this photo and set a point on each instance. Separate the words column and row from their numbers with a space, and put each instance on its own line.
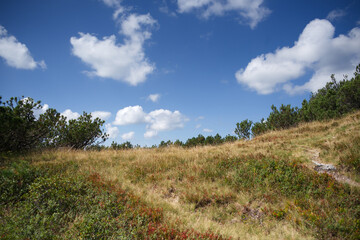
column 15, row 53
column 70, row 114
column 124, row 62
column 130, row 115
column 128, row 136
column 317, row 50
column 111, row 130
column 164, row 120
column 156, row 121
column 101, row 114
column 335, row 14
column 251, row 11
column 154, row 97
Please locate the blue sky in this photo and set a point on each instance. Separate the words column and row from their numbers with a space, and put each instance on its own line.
column 173, row 69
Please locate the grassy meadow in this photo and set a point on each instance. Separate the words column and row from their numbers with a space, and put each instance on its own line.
column 264, row 188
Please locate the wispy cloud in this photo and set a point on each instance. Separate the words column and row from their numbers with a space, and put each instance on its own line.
column 335, row 14
column 251, row 11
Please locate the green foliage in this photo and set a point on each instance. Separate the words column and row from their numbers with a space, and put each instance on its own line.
column 283, row 118
column 333, row 100
column 81, row 132
column 166, row 144
column 178, row 143
column 229, row 138
column 259, row 128
column 118, row 146
column 21, row 130
column 243, row 129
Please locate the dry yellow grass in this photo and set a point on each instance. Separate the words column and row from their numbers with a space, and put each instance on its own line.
column 171, row 177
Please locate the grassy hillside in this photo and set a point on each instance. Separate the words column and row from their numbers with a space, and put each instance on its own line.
column 265, row 188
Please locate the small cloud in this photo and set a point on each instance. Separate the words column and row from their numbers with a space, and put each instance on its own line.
column 15, row 53
column 335, row 14
column 207, row 130
column 100, row 114
column 128, row 136
column 70, row 114
column 112, row 131
column 154, row 97
column 198, row 126
column 150, row 134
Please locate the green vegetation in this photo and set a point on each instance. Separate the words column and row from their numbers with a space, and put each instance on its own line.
column 40, row 204
column 21, row 130
column 243, row 129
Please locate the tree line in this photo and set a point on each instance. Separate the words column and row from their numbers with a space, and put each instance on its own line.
column 21, row 130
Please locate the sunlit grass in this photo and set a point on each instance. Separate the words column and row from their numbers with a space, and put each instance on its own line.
column 202, row 187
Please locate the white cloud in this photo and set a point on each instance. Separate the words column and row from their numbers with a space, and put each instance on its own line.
column 157, row 121
column 70, row 114
column 198, row 126
column 16, row 54
column 130, row 115
column 154, row 97
column 128, row 136
column 124, row 62
column 207, row 130
column 335, row 14
column 42, row 110
column 112, row 3
column 250, row 10
column 163, row 120
column 316, row 50
column 100, row 114
column 112, row 131
column 150, row 134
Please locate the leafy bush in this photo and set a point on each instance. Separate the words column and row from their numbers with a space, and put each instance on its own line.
column 243, row 129
column 21, row 130
column 283, row 118
column 259, row 128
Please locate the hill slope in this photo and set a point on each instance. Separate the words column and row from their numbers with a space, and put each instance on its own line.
column 265, row 188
